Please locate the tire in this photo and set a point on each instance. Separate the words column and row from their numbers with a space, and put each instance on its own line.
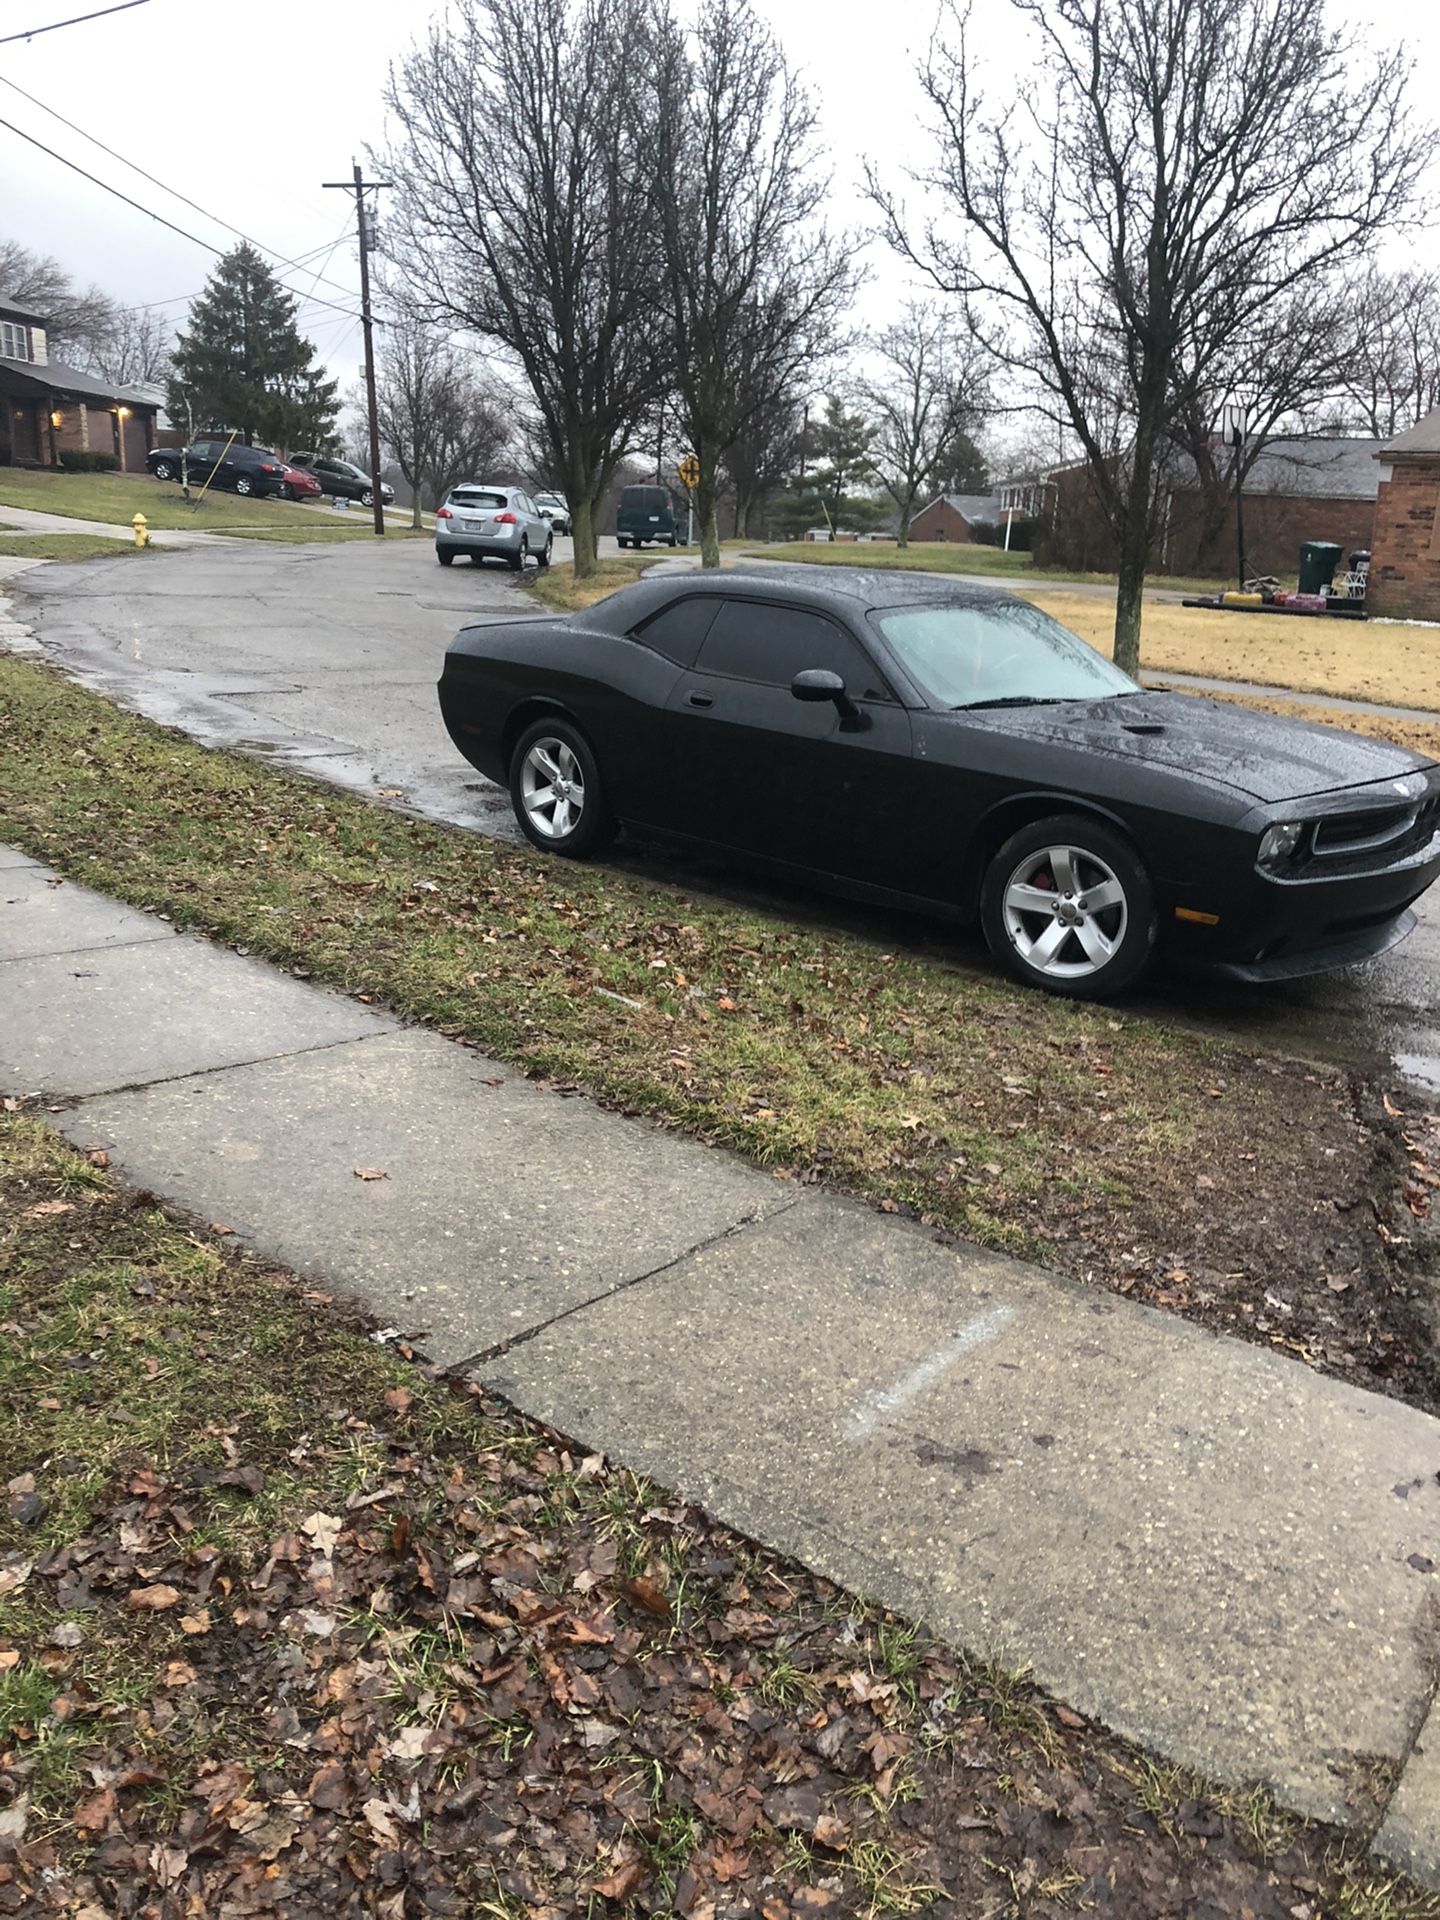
column 621, row 543
column 243, row 486
column 163, row 470
column 517, row 560
column 445, row 556
column 545, row 557
column 1102, row 949
column 672, row 540
column 367, row 499
column 553, row 751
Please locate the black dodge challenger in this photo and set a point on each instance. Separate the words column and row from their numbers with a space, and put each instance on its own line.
column 913, row 740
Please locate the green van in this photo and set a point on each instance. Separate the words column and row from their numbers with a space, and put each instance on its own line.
column 645, row 513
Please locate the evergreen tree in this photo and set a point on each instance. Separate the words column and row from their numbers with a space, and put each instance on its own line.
column 242, row 364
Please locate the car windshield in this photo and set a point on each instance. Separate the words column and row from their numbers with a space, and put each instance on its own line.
column 1001, row 655
column 477, row 497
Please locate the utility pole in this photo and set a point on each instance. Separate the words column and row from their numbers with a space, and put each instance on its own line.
column 365, row 222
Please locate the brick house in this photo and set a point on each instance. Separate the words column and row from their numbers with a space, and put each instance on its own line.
column 47, row 409
column 953, row 515
column 1298, row 489
column 1405, row 569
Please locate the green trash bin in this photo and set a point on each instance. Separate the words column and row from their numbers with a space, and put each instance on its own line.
column 1318, row 562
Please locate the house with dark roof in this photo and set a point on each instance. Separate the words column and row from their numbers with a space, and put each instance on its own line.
column 47, row 409
column 1298, row 489
column 952, row 516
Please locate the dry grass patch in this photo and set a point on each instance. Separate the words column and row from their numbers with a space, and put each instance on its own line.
column 557, row 586
column 1375, row 660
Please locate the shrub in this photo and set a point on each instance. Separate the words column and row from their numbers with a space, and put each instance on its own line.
column 72, row 460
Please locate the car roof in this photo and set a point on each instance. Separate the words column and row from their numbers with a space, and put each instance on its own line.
column 824, row 588
column 487, row 486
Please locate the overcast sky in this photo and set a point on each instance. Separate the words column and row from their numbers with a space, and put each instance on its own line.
column 246, row 106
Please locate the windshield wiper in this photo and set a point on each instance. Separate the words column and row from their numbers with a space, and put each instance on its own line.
column 1014, row 700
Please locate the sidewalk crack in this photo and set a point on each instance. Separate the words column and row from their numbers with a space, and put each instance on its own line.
column 495, row 1352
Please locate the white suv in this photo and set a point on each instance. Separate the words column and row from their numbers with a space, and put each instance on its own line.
column 492, row 523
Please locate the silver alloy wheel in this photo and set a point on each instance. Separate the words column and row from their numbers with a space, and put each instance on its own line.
column 1065, row 912
column 552, row 788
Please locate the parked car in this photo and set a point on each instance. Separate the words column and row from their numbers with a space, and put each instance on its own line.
column 555, row 511
column 644, row 514
column 492, row 523
column 238, row 469
column 300, row 485
column 916, row 741
column 342, row 479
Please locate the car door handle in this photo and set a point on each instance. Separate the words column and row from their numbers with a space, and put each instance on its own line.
column 701, row 699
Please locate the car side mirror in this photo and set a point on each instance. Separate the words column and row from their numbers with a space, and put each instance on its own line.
column 819, row 683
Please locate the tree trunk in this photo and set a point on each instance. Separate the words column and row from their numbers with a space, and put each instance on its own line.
column 415, row 520
column 742, row 515
column 1129, row 599
column 705, row 513
column 583, row 534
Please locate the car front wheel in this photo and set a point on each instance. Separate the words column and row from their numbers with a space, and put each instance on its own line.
column 163, row 470
column 556, row 791
column 1068, row 906
column 547, row 551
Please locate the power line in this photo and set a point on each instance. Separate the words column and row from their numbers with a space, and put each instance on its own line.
column 149, row 212
column 174, row 192
column 78, row 20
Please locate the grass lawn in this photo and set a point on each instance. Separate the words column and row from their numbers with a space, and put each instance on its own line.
column 118, row 497
column 1042, row 1127
column 62, row 546
column 557, row 587
column 287, row 1624
column 1360, row 660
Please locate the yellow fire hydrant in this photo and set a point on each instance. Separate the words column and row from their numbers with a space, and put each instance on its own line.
column 142, row 531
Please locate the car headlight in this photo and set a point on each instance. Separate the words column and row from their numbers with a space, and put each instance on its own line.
column 1279, row 843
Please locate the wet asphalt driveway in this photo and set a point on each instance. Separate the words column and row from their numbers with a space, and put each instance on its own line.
column 325, row 659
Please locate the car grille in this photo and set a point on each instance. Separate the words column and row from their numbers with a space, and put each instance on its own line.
column 1372, row 840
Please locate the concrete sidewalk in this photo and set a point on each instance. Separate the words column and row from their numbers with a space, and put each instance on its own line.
column 1210, row 1548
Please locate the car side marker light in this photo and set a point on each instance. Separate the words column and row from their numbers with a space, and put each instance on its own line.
column 1200, row 919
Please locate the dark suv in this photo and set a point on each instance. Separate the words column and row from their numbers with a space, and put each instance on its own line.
column 341, row 479
column 239, row 469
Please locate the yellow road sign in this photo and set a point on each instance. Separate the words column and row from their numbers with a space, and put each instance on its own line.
column 689, row 471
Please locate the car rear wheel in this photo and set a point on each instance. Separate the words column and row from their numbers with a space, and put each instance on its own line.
column 243, row 484
column 445, row 558
column 556, row 791
column 1068, row 906
column 517, row 560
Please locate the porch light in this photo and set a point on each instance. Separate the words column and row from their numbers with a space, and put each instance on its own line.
column 121, row 412
column 57, row 419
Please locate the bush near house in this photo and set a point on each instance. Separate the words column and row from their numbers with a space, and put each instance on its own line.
column 72, row 460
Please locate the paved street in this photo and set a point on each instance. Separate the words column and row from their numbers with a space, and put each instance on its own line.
column 1141, row 1511
column 326, row 658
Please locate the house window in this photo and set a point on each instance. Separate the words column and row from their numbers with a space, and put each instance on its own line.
column 14, row 341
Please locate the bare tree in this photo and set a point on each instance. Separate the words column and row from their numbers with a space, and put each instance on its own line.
column 765, row 454
column 76, row 319
column 439, row 420
column 928, row 391
column 1182, row 168
column 756, row 284
column 134, row 351
column 526, row 212
column 1389, row 374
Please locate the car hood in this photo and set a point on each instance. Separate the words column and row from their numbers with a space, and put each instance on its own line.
column 1259, row 754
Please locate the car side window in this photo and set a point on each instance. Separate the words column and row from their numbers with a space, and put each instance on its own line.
column 752, row 641
column 678, row 630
